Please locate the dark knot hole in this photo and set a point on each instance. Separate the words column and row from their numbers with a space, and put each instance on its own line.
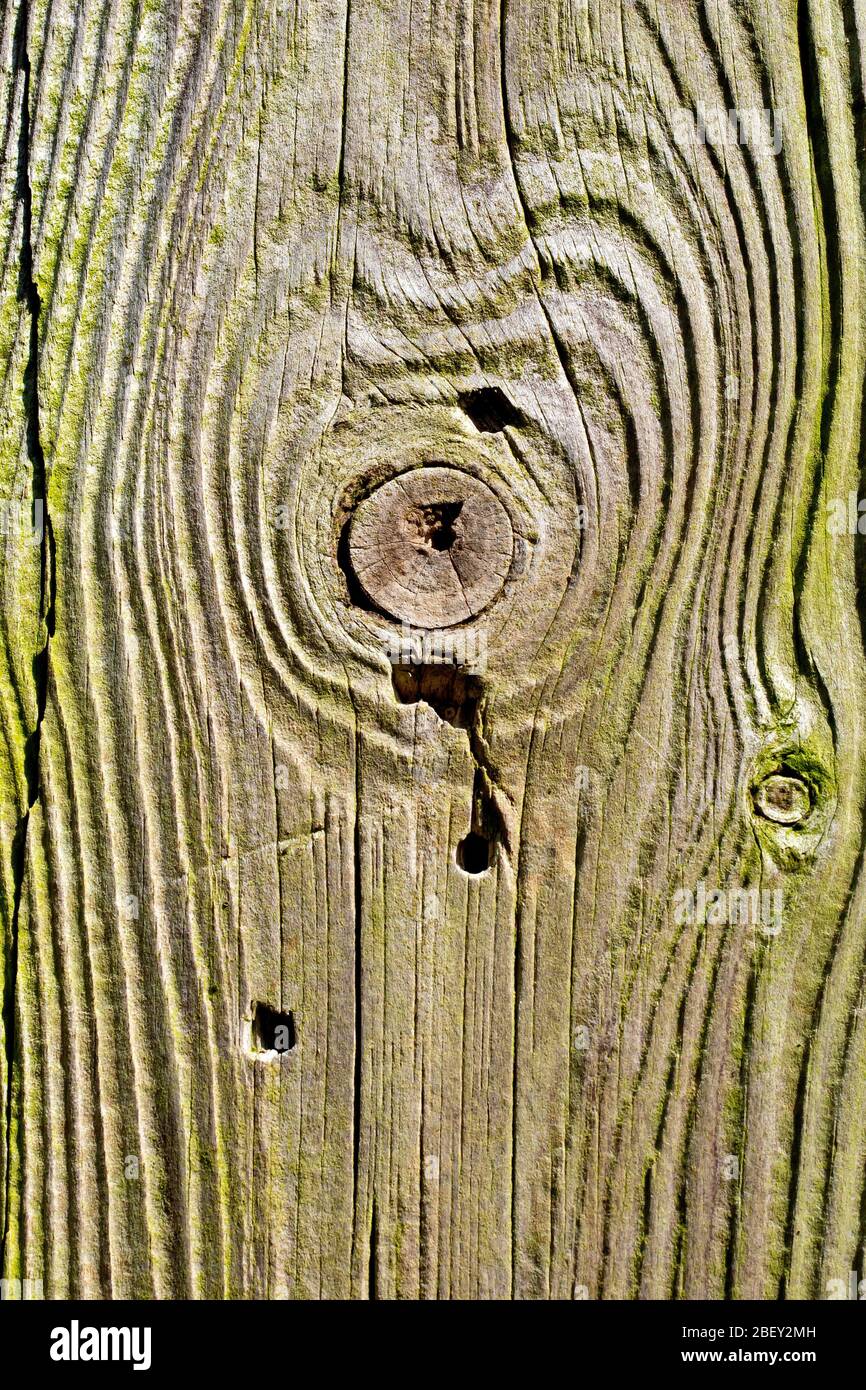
column 434, row 524
column 273, row 1030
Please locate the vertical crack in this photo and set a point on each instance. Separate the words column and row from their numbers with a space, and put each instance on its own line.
column 28, row 297
column 357, row 1079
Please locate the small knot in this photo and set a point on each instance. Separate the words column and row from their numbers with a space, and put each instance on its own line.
column 783, row 799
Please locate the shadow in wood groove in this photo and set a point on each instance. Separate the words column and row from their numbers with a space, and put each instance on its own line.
column 490, row 410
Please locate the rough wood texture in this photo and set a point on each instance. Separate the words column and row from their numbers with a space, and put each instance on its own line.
column 259, row 259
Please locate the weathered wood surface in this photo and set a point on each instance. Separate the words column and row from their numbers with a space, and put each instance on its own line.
column 256, row 258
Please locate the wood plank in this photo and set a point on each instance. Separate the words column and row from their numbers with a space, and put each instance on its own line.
column 562, row 916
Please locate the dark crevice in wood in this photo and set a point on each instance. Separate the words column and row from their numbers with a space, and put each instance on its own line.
column 487, row 791
column 273, row 1030
column 476, row 850
column 490, row 410
column 373, row 1265
column 28, row 296
column 517, row 967
column 452, row 693
column 827, row 218
column 426, row 1253
column 457, row 698
column 356, row 593
column 358, row 1000
column 474, row 853
column 632, row 457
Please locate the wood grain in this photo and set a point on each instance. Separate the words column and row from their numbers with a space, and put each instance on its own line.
column 259, row 259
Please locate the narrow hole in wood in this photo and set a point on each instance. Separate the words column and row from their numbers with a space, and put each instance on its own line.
column 473, row 853
column 272, row 1031
column 456, row 697
column 490, row 410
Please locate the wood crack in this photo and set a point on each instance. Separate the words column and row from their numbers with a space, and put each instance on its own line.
column 28, row 295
